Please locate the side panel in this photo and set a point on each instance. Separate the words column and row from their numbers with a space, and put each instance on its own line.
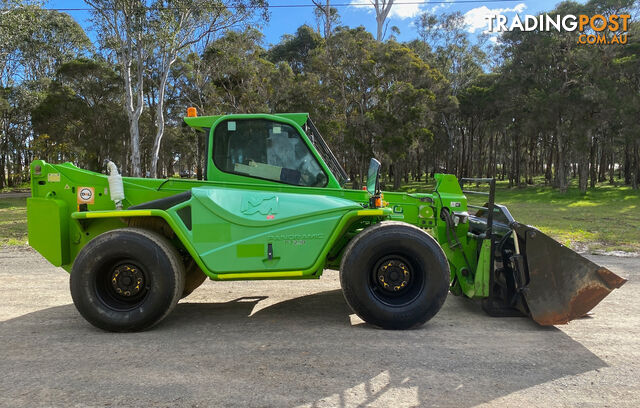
column 47, row 226
column 252, row 231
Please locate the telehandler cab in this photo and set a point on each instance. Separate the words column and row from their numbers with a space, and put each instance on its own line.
column 274, row 206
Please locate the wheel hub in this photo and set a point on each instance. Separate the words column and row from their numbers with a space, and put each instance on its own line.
column 127, row 280
column 393, row 276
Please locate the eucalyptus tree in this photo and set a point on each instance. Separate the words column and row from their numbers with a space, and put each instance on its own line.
column 625, row 71
column 409, row 95
column 240, row 78
column 15, row 105
column 327, row 14
column 176, row 26
column 565, row 107
column 445, row 44
column 297, row 49
column 350, row 84
column 139, row 33
column 33, row 43
column 50, row 39
column 11, row 26
column 123, row 27
column 382, row 9
column 80, row 119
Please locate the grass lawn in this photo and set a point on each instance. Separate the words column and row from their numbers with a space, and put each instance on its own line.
column 21, row 187
column 13, row 221
column 604, row 219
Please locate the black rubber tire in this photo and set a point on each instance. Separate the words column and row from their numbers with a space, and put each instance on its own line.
column 194, row 277
column 426, row 291
column 153, row 254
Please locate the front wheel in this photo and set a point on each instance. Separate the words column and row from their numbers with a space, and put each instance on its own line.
column 394, row 275
column 127, row 280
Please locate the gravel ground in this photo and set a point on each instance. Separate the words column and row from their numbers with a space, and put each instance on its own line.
column 296, row 344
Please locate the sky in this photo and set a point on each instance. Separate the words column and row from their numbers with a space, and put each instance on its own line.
column 286, row 20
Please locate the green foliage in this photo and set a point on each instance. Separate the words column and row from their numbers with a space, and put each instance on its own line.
column 77, row 119
column 567, row 104
column 33, row 43
column 297, row 50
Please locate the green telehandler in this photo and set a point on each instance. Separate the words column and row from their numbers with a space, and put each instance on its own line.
column 274, row 206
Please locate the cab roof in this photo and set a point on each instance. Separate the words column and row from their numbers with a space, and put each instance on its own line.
column 204, row 122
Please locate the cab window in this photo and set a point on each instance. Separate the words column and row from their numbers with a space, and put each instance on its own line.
column 267, row 150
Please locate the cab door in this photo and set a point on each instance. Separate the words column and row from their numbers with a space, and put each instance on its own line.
column 241, row 230
column 249, row 229
column 259, row 150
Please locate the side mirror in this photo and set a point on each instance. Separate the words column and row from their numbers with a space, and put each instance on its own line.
column 373, row 184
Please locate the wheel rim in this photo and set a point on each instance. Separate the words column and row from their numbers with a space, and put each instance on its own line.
column 122, row 286
column 395, row 281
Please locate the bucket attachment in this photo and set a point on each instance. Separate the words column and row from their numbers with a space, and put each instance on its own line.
column 532, row 274
column 561, row 284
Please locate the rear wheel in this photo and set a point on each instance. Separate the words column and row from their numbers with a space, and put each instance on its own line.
column 394, row 275
column 127, row 280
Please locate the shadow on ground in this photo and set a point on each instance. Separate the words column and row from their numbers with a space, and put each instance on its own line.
column 301, row 351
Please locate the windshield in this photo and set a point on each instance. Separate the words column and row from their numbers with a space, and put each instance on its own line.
column 326, row 153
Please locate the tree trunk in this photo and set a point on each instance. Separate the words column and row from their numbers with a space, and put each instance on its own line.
column 418, row 167
column 2, row 172
column 155, row 151
column 636, row 165
column 379, row 32
column 383, row 7
column 133, row 114
column 584, row 161
column 612, row 167
column 583, row 172
column 134, row 108
column 548, row 175
column 627, row 163
column 561, row 167
column 397, row 177
column 604, row 157
column 326, row 11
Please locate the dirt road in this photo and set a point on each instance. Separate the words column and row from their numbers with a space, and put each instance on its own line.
column 295, row 344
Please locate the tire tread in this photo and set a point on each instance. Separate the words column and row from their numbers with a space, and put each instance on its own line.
column 402, row 320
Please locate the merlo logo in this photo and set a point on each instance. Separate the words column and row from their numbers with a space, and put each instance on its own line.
column 264, row 204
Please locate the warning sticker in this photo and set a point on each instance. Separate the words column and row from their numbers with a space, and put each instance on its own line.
column 86, row 195
column 53, row 177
